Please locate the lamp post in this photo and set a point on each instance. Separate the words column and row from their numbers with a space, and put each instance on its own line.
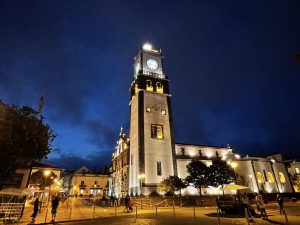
column 234, row 165
column 141, row 176
column 46, row 174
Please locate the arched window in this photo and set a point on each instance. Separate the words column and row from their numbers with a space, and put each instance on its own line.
column 281, row 177
column 149, row 86
column 270, row 177
column 159, row 87
column 136, row 88
column 259, row 177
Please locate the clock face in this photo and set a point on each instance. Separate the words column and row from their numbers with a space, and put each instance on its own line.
column 152, row 64
column 137, row 68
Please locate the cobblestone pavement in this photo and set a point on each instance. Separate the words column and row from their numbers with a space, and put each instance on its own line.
column 81, row 212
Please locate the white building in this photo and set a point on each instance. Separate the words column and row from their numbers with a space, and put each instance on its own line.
column 84, row 182
column 153, row 154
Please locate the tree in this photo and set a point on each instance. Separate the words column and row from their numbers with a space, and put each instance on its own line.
column 40, row 179
column 198, row 174
column 24, row 138
column 220, row 173
column 172, row 184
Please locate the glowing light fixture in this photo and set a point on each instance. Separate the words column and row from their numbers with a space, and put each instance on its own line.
column 192, row 153
column 147, row 46
column 233, row 165
column 237, row 156
column 46, row 173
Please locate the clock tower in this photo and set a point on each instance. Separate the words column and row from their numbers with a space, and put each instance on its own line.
column 152, row 148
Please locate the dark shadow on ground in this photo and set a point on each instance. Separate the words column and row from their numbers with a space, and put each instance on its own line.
column 274, row 222
column 225, row 215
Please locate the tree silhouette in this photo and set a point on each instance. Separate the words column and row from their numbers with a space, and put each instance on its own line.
column 220, row 173
column 172, row 184
column 198, row 174
column 24, row 138
column 40, row 179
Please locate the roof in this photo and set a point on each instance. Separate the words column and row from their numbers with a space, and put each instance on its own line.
column 43, row 165
column 210, row 146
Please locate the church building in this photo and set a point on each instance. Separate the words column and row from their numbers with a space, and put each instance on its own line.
column 150, row 153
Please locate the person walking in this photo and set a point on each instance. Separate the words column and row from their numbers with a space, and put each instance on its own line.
column 127, row 200
column 279, row 200
column 35, row 208
column 54, row 205
column 262, row 207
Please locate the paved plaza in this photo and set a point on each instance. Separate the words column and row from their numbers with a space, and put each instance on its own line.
column 78, row 211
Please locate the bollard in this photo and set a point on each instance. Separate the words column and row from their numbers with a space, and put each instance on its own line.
column 94, row 212
column 286, row 219
column 70, row 212
column 194, row 213
column 247, row 217
column 136, row 213
column 46, row 215
column 156, row 211
column 218, row 213
column 174, row 209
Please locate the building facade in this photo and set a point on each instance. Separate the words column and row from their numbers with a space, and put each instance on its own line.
column 151, row 152
column 84, row 182
column 120, row 166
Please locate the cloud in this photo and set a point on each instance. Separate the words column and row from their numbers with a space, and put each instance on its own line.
column 95, row 161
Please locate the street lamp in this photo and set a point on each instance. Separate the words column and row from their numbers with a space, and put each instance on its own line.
column 234, row 165
column 141, row 176
column 46, row 174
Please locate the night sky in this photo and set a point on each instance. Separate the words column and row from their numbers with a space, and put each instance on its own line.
column 234, row 68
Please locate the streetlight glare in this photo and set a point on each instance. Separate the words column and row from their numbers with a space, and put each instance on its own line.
column 46, row 173
column 233, row 165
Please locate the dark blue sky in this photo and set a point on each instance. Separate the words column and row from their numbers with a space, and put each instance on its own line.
column 232, row 65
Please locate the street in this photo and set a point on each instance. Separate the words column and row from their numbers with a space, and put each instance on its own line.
column 79, row 211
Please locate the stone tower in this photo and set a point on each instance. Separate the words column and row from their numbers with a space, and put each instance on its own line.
column 152, row 148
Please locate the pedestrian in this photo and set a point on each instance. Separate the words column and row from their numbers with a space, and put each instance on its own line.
column 257, row 199
column 130, row 206
column 112, row 200
column 127, row 199
column 103, row 201
column 279, row 200
column 35, row 208
column 262, row 207
column 55, row 202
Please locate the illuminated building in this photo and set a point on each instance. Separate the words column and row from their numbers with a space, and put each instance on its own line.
column 151, row 152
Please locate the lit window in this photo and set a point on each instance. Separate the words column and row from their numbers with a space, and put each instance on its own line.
column 157, row 131
column 149, row 86
column 136, row 88
column 259, row 177
column 148, row 109
column 163, row 112
column 159, row 87
column 270, row 177
column 297, row 170
column 158, row 168
column 281, row 177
